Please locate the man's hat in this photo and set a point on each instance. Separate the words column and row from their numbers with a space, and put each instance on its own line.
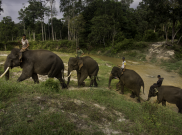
column 123, row 58
column 158, row 76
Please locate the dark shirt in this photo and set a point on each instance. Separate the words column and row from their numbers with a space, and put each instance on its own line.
column 159, row 82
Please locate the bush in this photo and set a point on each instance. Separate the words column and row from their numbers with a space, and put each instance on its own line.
column 128, row 44
column 150, row 36
column 138, row 37
column 52, row 85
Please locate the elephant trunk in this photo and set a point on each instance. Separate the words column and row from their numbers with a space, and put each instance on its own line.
column 6, row 70
column 110, row 78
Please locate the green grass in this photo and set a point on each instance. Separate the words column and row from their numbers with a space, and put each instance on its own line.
column 45, row 108
column 172, row 66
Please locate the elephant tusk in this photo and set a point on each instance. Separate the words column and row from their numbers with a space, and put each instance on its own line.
column 4, row 72
column 69, row 74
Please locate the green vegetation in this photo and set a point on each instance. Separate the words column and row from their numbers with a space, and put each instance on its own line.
column 45, row 108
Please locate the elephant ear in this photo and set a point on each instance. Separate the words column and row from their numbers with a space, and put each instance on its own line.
column 80, row 64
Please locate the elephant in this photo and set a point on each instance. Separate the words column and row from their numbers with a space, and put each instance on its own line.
column 85, row 66
column 35, row 62
column 129, row 79
column 170, row 94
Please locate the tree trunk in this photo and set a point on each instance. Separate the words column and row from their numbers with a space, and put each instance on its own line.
column 68, row 29
column 55, row 36
column 51, row 21
column 49, row 29
column 166, row 31
column 173, row 31
column 42, row 31
column 154, row 28
column 34, row 36
column 45, row 32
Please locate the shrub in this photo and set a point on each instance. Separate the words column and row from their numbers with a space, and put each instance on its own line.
column 52, row 85
column 150, row 36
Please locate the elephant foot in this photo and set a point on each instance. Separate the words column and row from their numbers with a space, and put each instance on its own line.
column 132, row 96
column 83, row 84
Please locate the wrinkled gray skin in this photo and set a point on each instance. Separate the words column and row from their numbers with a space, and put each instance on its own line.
column 170, row 94
column 85, row 66
column 35, row 62
column 129, row 79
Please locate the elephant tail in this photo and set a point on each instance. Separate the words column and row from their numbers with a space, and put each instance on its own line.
column 143, row 88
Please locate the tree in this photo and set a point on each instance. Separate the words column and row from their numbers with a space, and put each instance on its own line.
column 100, row 29
column 77, row 25
column 22, row 16
column 1, row 9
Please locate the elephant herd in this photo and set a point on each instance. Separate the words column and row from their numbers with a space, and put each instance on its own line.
column 45, row 62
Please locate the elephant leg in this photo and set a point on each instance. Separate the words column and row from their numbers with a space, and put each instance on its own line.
column 122, row 87
column 118, row 85
column 78, row 77
column 95, row 78
column 26, row 73
column 91, row 80
column 132, row 95
column 138, row 94
column 61, row 80
column 95, row 81
column 35, row 78
column 82, row 78
column 163, row 103
column 179, row 105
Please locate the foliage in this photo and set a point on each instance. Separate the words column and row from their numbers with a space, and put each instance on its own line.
column 150, row 36
column 128, row 44
column 52, row 85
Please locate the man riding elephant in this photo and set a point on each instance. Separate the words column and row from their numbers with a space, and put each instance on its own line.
column 25, row 46
column 158, row 84
column 129, row 79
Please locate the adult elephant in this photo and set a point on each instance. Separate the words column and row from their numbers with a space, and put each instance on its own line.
column 129, row 79
column 35, row 62
column 85, row 66
column 170, row 94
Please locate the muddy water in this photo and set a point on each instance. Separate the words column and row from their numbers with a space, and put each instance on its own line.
column 149, row 74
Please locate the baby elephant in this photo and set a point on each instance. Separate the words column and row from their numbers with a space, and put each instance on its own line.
column 170, row 94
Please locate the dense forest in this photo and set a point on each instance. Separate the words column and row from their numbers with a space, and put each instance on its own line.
column 101, row 23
